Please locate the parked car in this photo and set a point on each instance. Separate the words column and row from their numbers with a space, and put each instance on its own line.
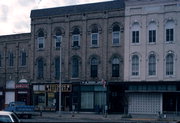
column 20, row 109
column 7, row 117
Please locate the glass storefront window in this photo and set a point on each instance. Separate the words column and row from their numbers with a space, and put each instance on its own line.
column 87, row 100
column 100, row 98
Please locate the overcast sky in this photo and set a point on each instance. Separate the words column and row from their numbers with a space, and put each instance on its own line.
column 15, row 14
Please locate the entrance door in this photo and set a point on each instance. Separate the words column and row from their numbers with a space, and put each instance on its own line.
column 22, row 98
column 67, row 103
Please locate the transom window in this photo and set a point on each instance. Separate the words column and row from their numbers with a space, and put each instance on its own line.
column 116, row 35
column 135, row 65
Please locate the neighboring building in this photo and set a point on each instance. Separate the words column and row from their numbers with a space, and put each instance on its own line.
column 152, row 55
column 91, row 39
column 14, row 68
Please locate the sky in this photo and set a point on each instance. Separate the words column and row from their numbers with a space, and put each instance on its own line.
column 15, row 14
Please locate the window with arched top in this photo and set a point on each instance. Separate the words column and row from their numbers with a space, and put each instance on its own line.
column 152, row 65
column 135, row 65
column 57, row 67
column 40, row 68
column 94, row 67
column 58, row 38
column 23, row 58
column 76, row 37
column 152, row 32
column 75, row 67
column 11, row 59
column 41, row 40
column 170, row 31
column 170, row 64
column 94, row 36
column 135, row 33
column 115, row 67
column 116, row 35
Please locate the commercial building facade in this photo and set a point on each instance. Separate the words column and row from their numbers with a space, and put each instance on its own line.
column 152, row 55
column 119, row 54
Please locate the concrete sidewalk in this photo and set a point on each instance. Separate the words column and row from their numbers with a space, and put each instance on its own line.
column 93, row 117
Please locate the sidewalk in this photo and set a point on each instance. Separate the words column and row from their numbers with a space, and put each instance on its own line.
column 92, row 117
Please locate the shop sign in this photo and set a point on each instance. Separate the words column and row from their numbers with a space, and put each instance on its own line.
column 55, row 87
column 22, row 86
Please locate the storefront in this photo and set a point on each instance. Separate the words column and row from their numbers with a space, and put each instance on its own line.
column 89, row 96
column 9, row 92
column 23, row 91
column 46, row 96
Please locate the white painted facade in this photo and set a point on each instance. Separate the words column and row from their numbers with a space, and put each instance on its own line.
column 142, row 16
column 139, row 11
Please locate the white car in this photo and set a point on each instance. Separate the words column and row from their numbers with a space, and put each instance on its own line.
column 6, row 117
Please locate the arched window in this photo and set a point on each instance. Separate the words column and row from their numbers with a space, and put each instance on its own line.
column 115, row 67
column 135, row 65
column 170, row 64
column 116, row 35
column 135, row 33
column 76, row 37
column 75, row 67
column 94, row 36
column 40, row 68
column 170, row 31
column 23, row 58
column 94, row 67
column 57, row 68
column 152, row 32
column 11, row 59
column 58, row 39
column 41, row 39
column 152, row 65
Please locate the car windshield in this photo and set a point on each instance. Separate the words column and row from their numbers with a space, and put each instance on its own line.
column 15, row 118
column 5, row 119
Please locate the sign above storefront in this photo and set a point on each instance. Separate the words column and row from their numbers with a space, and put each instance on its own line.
column 22, row 86
column 55, row 87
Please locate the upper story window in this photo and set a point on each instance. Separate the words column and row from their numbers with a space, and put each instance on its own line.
column 135, row 65
column 94, row 36
column 116, row 35
column 152, row 32
column 41, row 40
column 40, row 68
column 58, row 39
column 152, row 65
column 135, row 33
column 57, row 68
column 115, row 67
column 76, row 37
column 75, row 67
column 11, row 59
column 170, row 64
column 23, row 58
column 94, row 67
column 170, row 31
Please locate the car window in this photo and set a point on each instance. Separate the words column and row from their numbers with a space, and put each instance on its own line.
column 14, row 118
column 5, row 119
